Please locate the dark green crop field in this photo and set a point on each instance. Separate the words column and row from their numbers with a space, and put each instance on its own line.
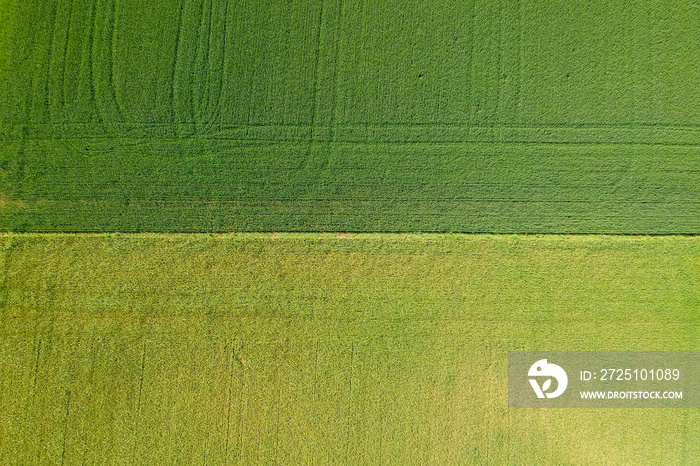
column 371, row 115
column 323, row 349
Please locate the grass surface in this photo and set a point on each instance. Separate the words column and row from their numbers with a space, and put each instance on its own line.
column 329, row 349
column 473, row 116
column 371, row 115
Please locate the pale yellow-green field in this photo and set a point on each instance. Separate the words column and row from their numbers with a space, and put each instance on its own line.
column 325, row 349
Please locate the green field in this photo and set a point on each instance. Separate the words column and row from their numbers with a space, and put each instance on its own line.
column 144, row 143
column 330, row 349
column 373, row 115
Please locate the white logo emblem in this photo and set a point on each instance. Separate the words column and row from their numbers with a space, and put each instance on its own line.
column 542, row 369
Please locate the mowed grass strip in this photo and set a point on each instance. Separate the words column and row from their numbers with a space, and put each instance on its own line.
column 329, row 349
column 474, row 116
